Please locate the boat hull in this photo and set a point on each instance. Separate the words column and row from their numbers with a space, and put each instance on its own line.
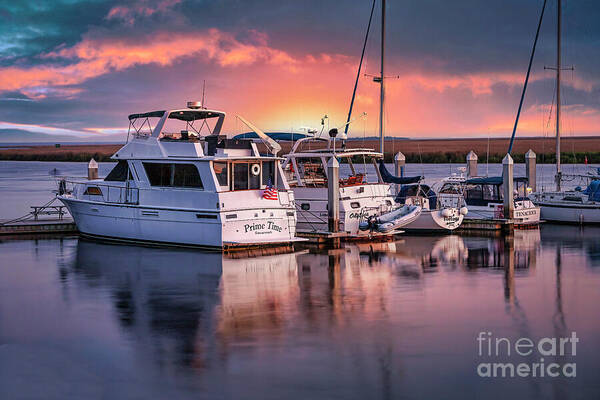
column 524, row 215
column 435, row 221
column 357, row 203
column 570, row 214
column 182, row 227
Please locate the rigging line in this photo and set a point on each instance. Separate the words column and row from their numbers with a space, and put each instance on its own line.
column 537, row 34
column 359, row 68
column 363, row 145
column 421, row 159
column 546, row 128
column 487, row 161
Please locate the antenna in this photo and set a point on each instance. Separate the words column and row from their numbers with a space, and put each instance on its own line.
column 203, row 87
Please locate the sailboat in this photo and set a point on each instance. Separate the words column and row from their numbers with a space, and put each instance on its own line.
column 364, row 207
column 568, row 206
column 367, row 208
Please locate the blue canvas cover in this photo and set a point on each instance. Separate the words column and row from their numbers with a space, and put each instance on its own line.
column 399, row 180
column 593, row 190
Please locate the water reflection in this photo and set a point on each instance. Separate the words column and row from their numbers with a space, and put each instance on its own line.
column 169, row 294
column 192, row 308
column 574, row 239
column 373, row 313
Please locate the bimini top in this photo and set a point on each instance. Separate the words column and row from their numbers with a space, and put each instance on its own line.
column 141, row 121
column 183, row 115
column 492, row 180
column 339, row 152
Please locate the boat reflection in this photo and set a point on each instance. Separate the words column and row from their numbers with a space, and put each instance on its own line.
column 572, row 239
column 498, row 252
column 162, row 298
column 196, row 309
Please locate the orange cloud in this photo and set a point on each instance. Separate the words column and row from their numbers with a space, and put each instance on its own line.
column 95, row 57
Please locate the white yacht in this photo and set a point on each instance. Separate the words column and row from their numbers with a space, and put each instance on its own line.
column 483, row 197
column 179, row 182
column 366, row 208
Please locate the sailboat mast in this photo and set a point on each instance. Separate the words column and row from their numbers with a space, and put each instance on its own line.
column 382, row 88
column 558, row 67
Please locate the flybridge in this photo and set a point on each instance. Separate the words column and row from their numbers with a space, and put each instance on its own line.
column 198, row 127
column 168, row 126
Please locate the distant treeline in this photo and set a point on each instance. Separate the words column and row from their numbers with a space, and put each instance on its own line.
column 411, row 158
column 456, row 158
column 84, row 157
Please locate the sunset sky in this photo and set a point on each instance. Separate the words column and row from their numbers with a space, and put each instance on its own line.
column 70, row 67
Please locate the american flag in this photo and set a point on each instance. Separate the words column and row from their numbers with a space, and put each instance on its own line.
column 270, row 192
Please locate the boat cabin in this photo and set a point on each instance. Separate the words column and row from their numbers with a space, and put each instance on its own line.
column 482, row 191
column 306, row 164
column 183, row 150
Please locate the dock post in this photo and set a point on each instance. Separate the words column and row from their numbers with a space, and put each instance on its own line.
column 399, row 164
column 471, row 164
column 508, row 184
column 333, row 194
column 92, row 169
column 530, row 169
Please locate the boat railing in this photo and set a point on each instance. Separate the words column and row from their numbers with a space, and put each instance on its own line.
column 450, row 200
column 94, row 190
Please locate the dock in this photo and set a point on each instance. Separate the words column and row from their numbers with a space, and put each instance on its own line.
column 334, row 239
column 39, row 226
column 497, row 226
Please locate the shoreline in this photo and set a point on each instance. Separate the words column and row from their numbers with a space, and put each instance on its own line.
column 575, row 150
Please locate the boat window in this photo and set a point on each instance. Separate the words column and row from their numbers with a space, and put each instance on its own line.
column 312, row 171
column 248, row 175
column 158, row 174
column 119, row 173
column 175, row 175
column 305, row 206
column 450, row 188
column 186, row 175
column 240, row 176
column 268, row 172
column 221, row 172
column 93, row 190
column 490, row 192
column 355, row 204
column 474, row 192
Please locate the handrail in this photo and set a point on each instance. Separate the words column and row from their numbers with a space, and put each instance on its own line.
column 126, row 194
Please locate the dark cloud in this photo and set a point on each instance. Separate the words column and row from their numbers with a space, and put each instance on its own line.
column 28, row 28
column 14, row 96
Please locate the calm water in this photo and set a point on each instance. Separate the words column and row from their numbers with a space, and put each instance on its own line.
column 29, row 183
column 82, row 320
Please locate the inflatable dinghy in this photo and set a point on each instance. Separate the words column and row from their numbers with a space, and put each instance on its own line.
column 393, row 220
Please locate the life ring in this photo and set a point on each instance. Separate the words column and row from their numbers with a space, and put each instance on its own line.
column 255, row 169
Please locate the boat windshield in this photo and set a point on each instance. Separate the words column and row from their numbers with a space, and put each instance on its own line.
column 312, row 171
column 482, row 194
column 451, row 188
